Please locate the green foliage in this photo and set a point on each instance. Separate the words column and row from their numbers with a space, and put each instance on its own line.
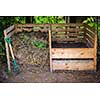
column 21, row 20
column 39, row 44
column 90, row 21
column 48, row 19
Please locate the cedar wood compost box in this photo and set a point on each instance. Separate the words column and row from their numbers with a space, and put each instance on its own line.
column 72, row 46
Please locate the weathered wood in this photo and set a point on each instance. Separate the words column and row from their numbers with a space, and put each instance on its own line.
column 73, row 65
column 32, row 25
column 50, row 50
column 9, row 29
column 61, row 24
column 90, row 33
column 11, row 33
column 90, row 38
column 67, row 30
column 89, row 42
column 72, row 53
column 7, row 51
column 19, row 30
column 66, row 39
column 95, row 50
column 68, row 24
column 89, row 28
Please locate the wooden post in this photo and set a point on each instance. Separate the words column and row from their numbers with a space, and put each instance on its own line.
column 95, row 51
column 7, row 51
column 50, row 50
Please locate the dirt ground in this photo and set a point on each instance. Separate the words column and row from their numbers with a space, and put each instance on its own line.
column 34, row 63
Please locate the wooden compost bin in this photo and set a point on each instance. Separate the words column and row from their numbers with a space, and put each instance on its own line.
column 72, row 46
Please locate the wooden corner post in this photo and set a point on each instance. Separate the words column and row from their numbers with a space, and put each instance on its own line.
column 95, row 50
column 50, row 50
column 7, row 51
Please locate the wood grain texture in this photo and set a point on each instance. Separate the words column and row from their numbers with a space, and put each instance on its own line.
column 9, row 29
column 50, row 51
column 72, row 53
column 73, row 64
column 7, row 52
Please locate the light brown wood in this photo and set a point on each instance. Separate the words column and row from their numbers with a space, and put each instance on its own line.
column 70, row 32
column 68, row 24
column 91, row 29
column 95, row 50
column 66, row 39
column 92, row 34
column 11, row 50
column 19, row 30
column 90, row 39
column 72, row 53
column 67, row 30
column 73, row 64
column 9, row 29
column 32, row 25
column 11, row 33
column 50, row 50
column 7, row 51
column 90, row 44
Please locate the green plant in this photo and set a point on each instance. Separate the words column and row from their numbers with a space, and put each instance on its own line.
column 91, row 22
column 49, row 19
column 39, row 44
column 20, row 19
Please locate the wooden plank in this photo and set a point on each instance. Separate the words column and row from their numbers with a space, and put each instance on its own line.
column 67, row 30
column 90, row 44
column 90, row 33
column 72, row 53
column 7, row 51
column 68, row 24
column 9, row 29
column 95, row 51
column 73, row 65
column 19, row 30
column 11, row 33
column 66, row 39
column 50, row 50
column 68, row 34
column 90, row 38
column 33, row 25
column 90, row 28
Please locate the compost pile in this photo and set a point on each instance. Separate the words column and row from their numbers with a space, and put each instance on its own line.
column 27, row 54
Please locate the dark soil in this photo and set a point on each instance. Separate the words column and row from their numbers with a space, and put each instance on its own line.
column 34, row 63
column 69, row 45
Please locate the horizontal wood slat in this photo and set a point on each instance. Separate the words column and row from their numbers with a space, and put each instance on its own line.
column 90, row 33
column 90, row 38
column 11, row 33
column 67, row 30
column 73, row 64
column 72, row 53
column 90, row 28
column 32, row 25
column 9, row 29
column 90, row 44
column 66, row 39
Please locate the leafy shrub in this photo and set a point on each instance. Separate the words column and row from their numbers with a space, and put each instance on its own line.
column 49, row 19
column 91, row 22
column 39, row 44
